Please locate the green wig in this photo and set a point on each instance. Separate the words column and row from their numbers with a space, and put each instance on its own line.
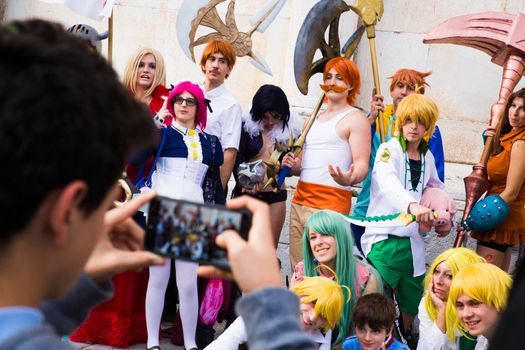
column 331, row 223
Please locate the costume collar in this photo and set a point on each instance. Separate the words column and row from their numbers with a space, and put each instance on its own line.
column 423, row 145
column 387, row 342
column 160, row 91
column 254, row 128
column 214, row 93
column 184, row 130
column 18, row 318
column 511, row 134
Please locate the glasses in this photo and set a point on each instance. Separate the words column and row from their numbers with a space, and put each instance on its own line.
column 190, row 102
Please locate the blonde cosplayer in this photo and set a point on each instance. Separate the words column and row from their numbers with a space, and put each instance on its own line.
column 456, row 259
column 326, row 294
column 419, row 109
column 132, row 70
column 485, row 283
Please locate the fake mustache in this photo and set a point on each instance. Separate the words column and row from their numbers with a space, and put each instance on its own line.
column 334, row 88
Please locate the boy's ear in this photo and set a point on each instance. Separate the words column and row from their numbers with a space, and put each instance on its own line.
column 64, row 210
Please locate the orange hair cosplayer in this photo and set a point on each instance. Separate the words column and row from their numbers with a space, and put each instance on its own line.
column 350, row 74
column 218, row 46
column 410, row 77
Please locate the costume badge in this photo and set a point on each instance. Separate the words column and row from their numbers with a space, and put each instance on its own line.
column 385, row 156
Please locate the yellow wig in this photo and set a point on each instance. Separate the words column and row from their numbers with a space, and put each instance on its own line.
column 456, row 259
column 327, row 296
column 132, row 70
column 486, row 283
column 420, row 109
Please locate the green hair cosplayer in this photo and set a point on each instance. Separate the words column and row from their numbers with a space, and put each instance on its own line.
column 331, row 223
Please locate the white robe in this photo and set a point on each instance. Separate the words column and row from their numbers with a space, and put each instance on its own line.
column 391, row 192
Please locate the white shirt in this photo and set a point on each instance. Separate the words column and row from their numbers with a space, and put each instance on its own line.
column 431, row 337
column 226, row 118
column 235, row 335
column 390, row 194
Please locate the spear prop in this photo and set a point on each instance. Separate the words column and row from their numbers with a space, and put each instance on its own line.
column 370, row 12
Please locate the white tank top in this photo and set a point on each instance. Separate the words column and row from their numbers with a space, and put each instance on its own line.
column 323, row 146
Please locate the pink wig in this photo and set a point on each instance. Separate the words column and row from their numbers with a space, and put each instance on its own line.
column 195, row 90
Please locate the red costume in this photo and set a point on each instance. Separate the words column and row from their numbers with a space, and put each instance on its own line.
column 120, row 321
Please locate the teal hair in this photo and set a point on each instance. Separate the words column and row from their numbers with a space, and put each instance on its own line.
column 331, row 223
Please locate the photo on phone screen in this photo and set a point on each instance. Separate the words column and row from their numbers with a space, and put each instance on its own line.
column 185, row 230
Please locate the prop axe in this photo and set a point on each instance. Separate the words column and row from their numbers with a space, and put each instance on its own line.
column 312, row 37
column 196, row 13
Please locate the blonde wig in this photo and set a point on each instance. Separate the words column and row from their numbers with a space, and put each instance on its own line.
column 132, row 70
column 485, row 283
column 456, row 259
column 419, row 109
column 327, row 296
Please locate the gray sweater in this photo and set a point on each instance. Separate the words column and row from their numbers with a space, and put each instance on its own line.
column 271, row 318
column 62, row 317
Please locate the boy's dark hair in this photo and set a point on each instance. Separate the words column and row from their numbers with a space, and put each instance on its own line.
column 270, row 98
column 64, row 116
column 374, row 310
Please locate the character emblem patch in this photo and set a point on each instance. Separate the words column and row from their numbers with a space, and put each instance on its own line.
column 385, row 156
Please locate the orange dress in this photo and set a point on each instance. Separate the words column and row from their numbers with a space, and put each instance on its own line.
column 512, row 230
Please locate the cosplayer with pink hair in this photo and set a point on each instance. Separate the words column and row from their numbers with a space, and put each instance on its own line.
column 195, row 90
column 185, row 157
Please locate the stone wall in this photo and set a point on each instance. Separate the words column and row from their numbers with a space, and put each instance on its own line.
column 3, row 6
column 464, row 83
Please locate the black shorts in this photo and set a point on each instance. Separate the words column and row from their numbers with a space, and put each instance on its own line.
column 496, row 246
column 270, row 197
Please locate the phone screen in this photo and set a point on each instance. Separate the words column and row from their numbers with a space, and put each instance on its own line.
column 186, row 230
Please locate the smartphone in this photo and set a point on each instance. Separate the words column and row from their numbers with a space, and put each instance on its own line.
column 186, row 230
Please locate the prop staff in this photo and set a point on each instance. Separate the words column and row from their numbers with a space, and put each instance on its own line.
column 502, row 37
column 370, row 12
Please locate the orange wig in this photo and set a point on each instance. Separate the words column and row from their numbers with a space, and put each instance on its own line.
column 350, row 74
column 410, row 77
column 218, row 46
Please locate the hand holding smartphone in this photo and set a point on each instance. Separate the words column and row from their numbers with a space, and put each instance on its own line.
column 254, row 263
column 186, row 230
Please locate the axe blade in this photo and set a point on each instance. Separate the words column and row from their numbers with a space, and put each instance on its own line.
column 352, row 42
column 311, row 35
column 274, row 6
column 260, row 63
column 490, row 32
column 187, row 13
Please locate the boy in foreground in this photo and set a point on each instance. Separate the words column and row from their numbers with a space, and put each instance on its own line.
column 66, row 128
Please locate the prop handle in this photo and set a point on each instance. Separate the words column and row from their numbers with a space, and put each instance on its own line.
column 377, row 85
column 310, row 121
column 283, row 173
column 298, row 144
column 477, row 182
